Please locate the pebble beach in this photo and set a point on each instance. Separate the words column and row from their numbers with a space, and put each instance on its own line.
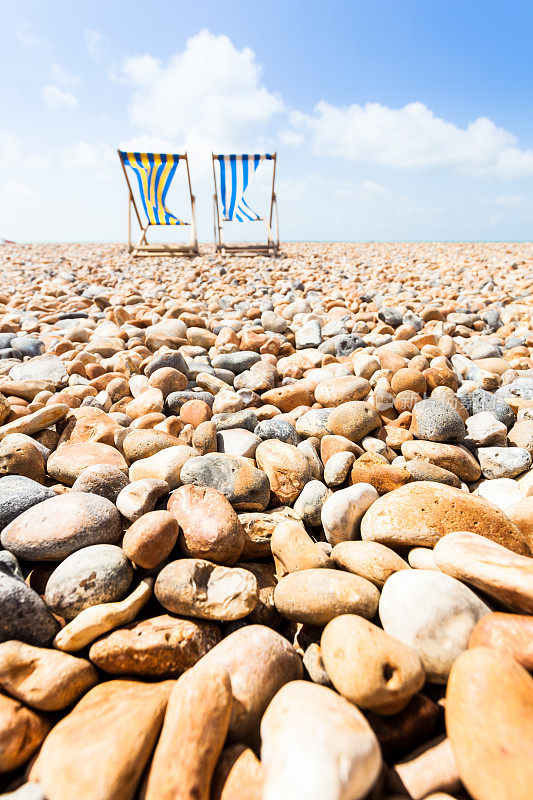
column 266, row 524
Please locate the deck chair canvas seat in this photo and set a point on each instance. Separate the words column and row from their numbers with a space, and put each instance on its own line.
column 235, row 173
column 154, row 173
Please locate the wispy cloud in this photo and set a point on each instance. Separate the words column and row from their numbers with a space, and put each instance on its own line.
column 95, row 43
column 28, row 37
column 55, row 97
column 62, row 76
column 373, row 189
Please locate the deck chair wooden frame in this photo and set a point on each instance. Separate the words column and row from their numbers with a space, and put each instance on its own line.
column 244, row 248
column 142, row 247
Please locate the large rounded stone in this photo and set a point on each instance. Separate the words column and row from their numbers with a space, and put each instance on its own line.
column 368, row 667
column 209, row 526
column 150, row 539
column 258, row 529
column 520, row 513
column 101, row 748
column 511, row 633
column 97, row 574
column 335, row 391
column 489, row 720
column 453, row 457
column 18, row 494
column 145, row 443
column 421, row 513
column 89, row 424
column 101, row 479
column 370, row 560
column 317, row 745
column 316, row 596
column 343, row 511
column 238, row 775
column 354, row 420
column 293, row 549
column 437, row 422
column 247, row 488
column 41, row 368
column 310, row 501
column 433, row 613
column 157, row 647
column 44, row 678
column 421, row 470
column 69, row 460
column 237, row 442
column 489, row 567
column 21, row 458
column 374, row 469
column 21, row 733
column 57, row 527
column 259, row 662
column 197, row 588
column 165, row 465
column 503, row 462
column 193, row 735
column 140, row 497
column 286, row 467
column 23, row 613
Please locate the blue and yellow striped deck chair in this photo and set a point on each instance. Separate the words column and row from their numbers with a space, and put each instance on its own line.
column 235, row 172
column 154, row 173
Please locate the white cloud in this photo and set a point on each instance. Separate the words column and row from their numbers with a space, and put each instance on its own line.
column 15, row 188
column 55, row 97
column 27, row 36
column 374, row 189
column 64, row 77
column 210, row 95
column 87, row 156
column 411, row 137
column 95, row 43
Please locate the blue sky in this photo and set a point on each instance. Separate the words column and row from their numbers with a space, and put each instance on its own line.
column 393, row 119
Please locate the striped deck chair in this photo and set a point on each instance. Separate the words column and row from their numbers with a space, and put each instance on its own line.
column 154, row 173
column 235, row 173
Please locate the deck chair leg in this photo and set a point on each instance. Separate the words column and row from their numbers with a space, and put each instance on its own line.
column 277, row 222
column 129, row 225
column 142, row 239
column 194, row 236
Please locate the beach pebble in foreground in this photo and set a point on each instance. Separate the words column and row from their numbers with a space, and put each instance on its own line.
column 266, row 523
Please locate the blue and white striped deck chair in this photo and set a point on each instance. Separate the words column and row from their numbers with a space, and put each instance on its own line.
column 235, row 173
column 154, row 173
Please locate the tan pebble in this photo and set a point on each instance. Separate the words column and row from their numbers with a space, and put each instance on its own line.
column 97, row 620
column 370, row 560
column 43, row 678
column 316, row 596
column 21, row 733
column 193, row 735
column 367, row 666
column 150, row 539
